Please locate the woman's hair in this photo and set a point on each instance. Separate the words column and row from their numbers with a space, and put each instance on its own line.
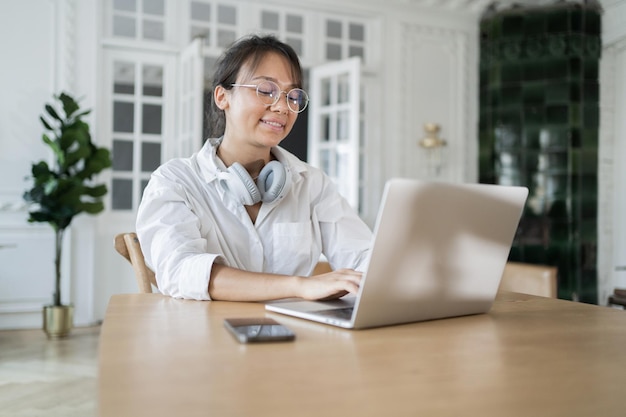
column 249, row 50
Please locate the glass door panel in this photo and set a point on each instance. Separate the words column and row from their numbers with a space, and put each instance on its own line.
column 334, row 138
column 137, row 93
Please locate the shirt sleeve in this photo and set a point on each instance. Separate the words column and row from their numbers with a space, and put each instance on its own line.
column 346, row 239
column 169, row 233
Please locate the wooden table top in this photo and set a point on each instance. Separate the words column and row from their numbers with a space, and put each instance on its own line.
column 529, row 356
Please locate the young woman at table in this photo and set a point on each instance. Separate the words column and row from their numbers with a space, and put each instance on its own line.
column 243, row 219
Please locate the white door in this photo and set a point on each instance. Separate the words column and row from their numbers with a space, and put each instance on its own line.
column 334, row 119
column 190, row 103
column 137, row 114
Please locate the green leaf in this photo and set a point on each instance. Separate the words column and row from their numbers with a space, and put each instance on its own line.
column 52, row 112
column 93, row 208
column 97, row 191
column 45, row 123
column 86, row 112
column 40, row 169
column 69, row 104
column 58, row 152
column 51, row 186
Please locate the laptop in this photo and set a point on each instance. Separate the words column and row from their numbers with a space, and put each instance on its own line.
column 439, row 250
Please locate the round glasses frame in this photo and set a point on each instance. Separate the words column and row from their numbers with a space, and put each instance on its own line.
column 269, row 93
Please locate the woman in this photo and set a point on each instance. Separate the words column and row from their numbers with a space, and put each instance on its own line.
column 243, row 219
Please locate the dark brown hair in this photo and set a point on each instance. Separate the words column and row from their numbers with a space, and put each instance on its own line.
column 248, row 50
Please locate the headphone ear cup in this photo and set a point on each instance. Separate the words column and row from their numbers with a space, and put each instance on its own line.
column 273, row 182
column 238, row 183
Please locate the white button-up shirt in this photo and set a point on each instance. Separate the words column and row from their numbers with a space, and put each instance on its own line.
column 186, row 222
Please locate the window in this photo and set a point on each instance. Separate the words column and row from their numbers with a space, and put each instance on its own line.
column 138, row 19
column 335, row 142
column 215, row 22
column 344, row 38
column 287, row 26
column 137, row 97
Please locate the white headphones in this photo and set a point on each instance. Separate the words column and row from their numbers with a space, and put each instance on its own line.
column 271, row 186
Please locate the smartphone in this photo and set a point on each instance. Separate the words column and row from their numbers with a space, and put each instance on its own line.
column 258, row 329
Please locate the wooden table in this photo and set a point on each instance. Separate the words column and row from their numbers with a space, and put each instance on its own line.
column 529, row 356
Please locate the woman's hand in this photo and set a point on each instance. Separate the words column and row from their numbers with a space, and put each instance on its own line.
column 331, row 285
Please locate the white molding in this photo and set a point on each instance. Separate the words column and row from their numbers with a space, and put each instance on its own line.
column 610, row 173
column 457, row 118
column 613, row 21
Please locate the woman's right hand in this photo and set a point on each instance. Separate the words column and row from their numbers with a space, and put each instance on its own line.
column 331, row 285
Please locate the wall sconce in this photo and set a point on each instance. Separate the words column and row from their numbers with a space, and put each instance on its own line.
column 433, row 145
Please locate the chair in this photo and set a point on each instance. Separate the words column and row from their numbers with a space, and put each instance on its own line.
column 322, row 267
column 127, row 245
column 531, row 279
column 618, row 298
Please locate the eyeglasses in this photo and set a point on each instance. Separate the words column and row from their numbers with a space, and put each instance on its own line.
column 269, row 92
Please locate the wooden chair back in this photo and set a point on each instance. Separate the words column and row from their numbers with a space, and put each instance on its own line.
column 531, row 279
column 127, row 245
column 322, row 267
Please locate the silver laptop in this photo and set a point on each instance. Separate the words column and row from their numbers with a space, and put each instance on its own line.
column 439, row 251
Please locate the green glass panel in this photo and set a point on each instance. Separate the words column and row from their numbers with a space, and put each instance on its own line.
column 534, row 115
column 592, row 24
column 554, row 162
column 589, row 138
column 554, row 137
column 508, row 117
column 511, row 73
column 576, row 20
column 559, row 230
column 558, row 92
column 511, row 95
column 530, row 137
column 535, row 47
column 591, row 91
column 589, row 184
column 558, row 208
column 575, row 67
column 593, row 47
column 494, row 75
column 574, row 137
column 534, row 70
column 512, row 25
column 507, row 137
column 588, row 230
column 494, row 96
column 557, row 114
column 589, row 208
column 557, row 46
column 590, row 69
column 591, row 116
column 556, row 69
column 534, row 23
column 533, row 93
column 535, row 254
column 558, row 21
column 587, row 161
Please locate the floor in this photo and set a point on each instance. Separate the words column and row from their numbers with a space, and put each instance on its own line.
column 52, row 378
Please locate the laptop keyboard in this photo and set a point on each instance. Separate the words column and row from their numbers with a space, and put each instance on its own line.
column 340, row 313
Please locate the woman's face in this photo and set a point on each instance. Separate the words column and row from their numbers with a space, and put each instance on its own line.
column 248, row 120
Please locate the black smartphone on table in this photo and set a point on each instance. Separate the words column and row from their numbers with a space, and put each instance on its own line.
column 258, row 329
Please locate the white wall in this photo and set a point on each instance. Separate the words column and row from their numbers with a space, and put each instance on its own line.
column 612, row 170
column 52, row 49
column 29, row 75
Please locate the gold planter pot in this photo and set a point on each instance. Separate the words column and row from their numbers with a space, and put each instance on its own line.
column 58, row 320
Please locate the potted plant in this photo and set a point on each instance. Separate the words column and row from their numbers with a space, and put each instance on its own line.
column 65, row 189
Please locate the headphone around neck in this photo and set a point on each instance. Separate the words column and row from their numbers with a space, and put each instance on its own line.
column 271, row 185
